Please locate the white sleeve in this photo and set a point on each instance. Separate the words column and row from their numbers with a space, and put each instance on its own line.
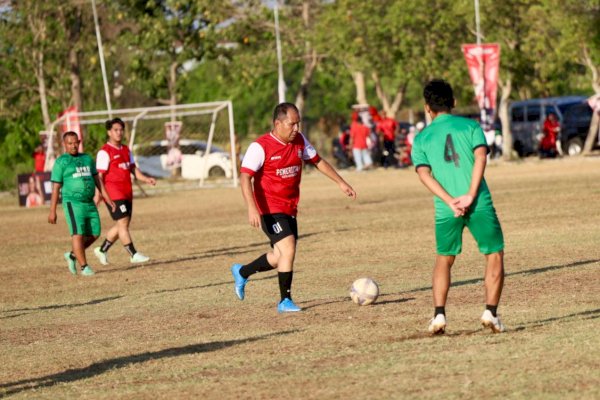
column 102, row 161
column 254, row 157
column 309, row 151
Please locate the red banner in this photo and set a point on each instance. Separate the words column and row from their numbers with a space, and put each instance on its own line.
column 483, row 62
column 71, row 123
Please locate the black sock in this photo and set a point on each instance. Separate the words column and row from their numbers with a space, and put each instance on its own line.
column 84, row 267
column 492, row 309
column 285, row 284
column 261, row 264
column 106, row 245
column 72, row 256
column 130, row 249
column 439, row 310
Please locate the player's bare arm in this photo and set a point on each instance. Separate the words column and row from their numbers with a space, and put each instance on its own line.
column 100, row 185
column 139, row 175
column 466, row 200
column 53, row 202
column 434, row 187
column 248, row 193
column 326, row 169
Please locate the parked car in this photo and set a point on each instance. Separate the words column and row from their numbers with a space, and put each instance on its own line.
column 575, row 127
column 527, row 119
column 151, row 159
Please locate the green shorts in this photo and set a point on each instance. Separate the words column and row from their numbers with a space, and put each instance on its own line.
column 82, row 218
column 484, row 227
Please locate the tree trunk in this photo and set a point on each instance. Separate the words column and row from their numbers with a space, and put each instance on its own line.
column 359, row 83
column 309, row 69
column 38, row 29
column 41, row 79
column 507, row 139
column 390, row 109
column 74, row 30
column 592, row 133
column 310, row 62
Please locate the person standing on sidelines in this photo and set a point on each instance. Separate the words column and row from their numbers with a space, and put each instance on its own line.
column 75, row 173
column 270, row 181
column 450, row 156
column 115, row 165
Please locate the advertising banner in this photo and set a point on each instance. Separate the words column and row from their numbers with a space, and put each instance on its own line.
column 483, row 62
column 34, row 189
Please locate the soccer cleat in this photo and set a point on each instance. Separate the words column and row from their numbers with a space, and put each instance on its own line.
column 139, row 258
column 70, row 263
column 437, row 325
column 287, row 305
column 494, row 323
column 87, row 271
column 102, row 257
column 239, row 280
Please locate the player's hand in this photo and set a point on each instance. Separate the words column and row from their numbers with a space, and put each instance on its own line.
column 347, row 189
column 151, row 181
column 52, row 218
column 463, row 201
column 112, row 205
column 254, row 218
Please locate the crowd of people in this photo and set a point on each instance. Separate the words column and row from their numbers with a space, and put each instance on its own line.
column 374, row 139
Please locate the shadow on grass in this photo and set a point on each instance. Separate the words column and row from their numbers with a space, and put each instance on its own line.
column 226, row 251
column 315, row 304
column 98, row 368
column 589, row 314
column 527, row 272
column 59, row 306
column 210, row 285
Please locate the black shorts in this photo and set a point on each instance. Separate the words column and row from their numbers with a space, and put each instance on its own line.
column 279, row 226
column 124, row 208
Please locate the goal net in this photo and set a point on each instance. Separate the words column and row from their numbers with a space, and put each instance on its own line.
column 188, row 141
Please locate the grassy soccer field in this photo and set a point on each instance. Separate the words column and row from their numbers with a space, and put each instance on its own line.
column 173, row 328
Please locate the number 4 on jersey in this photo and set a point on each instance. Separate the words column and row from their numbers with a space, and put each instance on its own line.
column 450, row 155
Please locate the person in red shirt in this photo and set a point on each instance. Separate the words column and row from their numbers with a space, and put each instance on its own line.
column 359, row 143
column 39, row 159
column 270, row 181
column 548, row 147
column 387, row 128
column 115, row 165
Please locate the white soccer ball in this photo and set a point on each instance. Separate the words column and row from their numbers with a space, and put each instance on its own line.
column 364, row 291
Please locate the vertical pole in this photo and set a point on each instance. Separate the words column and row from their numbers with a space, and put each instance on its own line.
column 233, row 143
column 483, row 112
column 280, row 81
column 101, row 53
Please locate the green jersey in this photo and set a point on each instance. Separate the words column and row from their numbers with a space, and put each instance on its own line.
column 76, row 174
column 447, row 147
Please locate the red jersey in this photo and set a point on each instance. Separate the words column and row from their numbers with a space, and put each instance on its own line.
column 277, row 169
column 359, row 134
column 39, row 161
column 387, row 126
column 115, row 164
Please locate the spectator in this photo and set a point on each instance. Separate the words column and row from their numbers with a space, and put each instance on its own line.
column 551, row 130
column 39, row 159
column 387, row 128
column 359, row 138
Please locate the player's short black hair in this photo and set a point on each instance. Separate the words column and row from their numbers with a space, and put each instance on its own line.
column 69, row 133
column 282, row 109
column 439, row 95
column 109, row 123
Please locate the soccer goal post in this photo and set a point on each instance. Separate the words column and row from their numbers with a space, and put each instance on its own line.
column 189, row 141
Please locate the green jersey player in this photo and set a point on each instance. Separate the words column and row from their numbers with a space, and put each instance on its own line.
column 76, row 174
column 450, row 156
